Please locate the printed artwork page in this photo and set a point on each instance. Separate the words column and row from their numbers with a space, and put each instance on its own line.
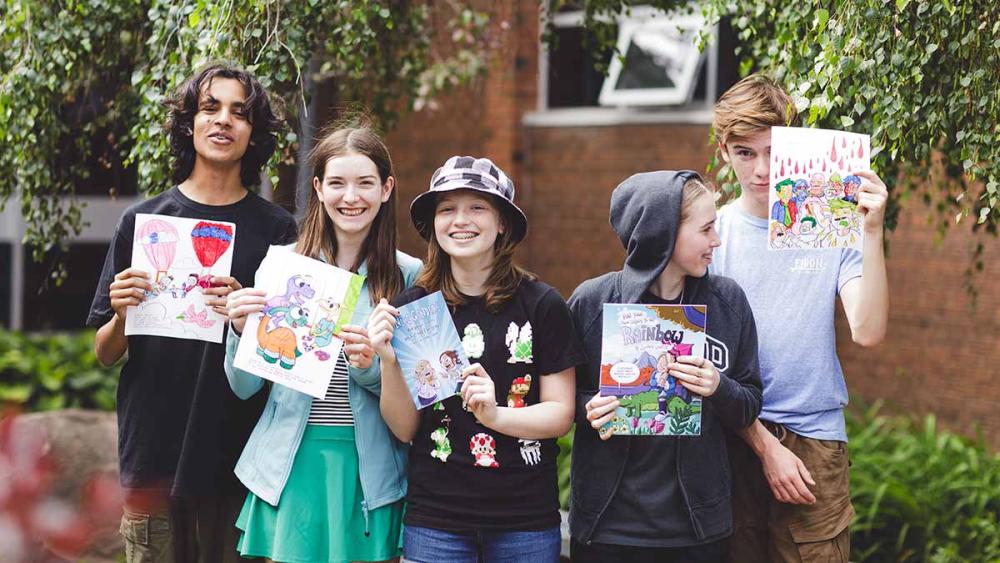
column 638, row 345
column 181, row 255
column 429, row 351
column 294, row 341
column 813, row 200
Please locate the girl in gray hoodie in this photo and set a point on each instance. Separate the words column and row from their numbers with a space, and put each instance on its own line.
column 662, row 498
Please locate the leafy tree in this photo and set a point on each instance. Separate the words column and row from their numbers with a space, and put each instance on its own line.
column 82, row 82
column 919, row 75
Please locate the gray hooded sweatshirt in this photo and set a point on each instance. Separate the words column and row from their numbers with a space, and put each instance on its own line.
column 645, row 213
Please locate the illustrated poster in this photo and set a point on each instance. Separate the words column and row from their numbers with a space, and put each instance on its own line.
column 294, row 341
column 813, row 199
column 638, row 343
column 429, row 350
column 181, row 255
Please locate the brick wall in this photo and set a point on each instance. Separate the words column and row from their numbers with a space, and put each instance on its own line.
column 940, row 356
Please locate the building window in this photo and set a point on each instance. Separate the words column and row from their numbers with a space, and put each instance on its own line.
column 661, row 67
column 660, row 61
column 64, row 307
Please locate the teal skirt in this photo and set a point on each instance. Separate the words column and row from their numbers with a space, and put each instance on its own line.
column 319, row 516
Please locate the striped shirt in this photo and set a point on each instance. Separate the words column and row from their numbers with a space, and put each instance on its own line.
column 335, row 408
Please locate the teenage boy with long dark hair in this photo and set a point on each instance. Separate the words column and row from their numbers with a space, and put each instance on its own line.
column 180, row 429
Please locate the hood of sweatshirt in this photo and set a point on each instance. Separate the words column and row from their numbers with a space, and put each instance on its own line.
column 646, row 213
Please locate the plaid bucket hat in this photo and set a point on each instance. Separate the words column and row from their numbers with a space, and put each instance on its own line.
column 470, row 173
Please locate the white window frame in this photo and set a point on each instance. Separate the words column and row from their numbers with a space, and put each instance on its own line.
column 583, row 116
column 645, row 20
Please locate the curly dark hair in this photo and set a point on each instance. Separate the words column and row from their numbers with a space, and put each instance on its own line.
column 184, row 105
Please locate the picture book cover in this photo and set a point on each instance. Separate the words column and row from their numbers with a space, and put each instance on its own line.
column 294, row 341
column 429, row 350
column 814, row 197
column 638, row 343
column 181, row 255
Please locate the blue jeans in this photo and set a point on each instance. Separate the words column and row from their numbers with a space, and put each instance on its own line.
column 430, row 545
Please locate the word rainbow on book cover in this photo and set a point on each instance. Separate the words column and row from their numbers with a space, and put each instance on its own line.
column 639, row 342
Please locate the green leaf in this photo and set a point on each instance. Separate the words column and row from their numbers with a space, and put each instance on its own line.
column 822, row 16
column 846, row 121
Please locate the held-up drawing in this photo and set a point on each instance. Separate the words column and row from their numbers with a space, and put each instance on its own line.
column 814, row 189
column 638, row 344
column 429, row 351
column 181, row 256
column 293, row 341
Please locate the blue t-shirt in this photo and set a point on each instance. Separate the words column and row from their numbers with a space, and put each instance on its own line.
column 793, row 297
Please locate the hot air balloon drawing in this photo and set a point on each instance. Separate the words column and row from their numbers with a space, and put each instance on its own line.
column 159, row 240
column 210, row 241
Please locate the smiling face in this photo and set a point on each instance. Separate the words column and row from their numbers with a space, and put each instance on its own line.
column 352, row 192
column 750, row 158
column 423, row 371
column 466, row 224
column 696, row 238
column 446, row 361
column 221, row 130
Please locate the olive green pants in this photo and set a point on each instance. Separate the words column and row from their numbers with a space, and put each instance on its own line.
column 195, row 530
column 766, row 530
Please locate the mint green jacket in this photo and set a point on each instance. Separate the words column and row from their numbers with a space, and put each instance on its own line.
column 267, row 458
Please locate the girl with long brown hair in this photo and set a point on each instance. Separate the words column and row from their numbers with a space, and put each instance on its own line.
column 326, row 476
column 493, row 495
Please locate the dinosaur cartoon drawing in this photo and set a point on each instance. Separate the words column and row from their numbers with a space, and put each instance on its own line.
column 635, row 405
column 297, row 290
column 277, row 345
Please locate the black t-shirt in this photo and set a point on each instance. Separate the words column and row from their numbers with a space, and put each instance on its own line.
column 491, row 481
column 648, row 509
column 179, row 425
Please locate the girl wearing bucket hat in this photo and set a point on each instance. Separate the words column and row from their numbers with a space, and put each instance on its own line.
column 309, row 498
column 662, row 498
column 494, row 496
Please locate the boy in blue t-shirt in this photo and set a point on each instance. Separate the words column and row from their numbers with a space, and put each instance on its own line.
column 791, row 499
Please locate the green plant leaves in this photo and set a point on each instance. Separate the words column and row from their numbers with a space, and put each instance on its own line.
column 54, row 371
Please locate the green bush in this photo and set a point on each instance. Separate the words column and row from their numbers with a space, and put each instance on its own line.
column 40, row 372
column 921, row 494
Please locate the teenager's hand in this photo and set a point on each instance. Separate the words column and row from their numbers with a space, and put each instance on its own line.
column 128, row 290
column 242, row 303
column 697, row 375
column 787, row 475
column 357, row 346
column 381, row 326
column 600, row 411
column 479, row 393
column 872, row 197
column 216, row 296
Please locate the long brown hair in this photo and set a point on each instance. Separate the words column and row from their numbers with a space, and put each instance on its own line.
column 316, row 232
column 504, row 276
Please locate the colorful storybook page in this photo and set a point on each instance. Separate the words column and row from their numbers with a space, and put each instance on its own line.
column 181, row 255
column 429, row 350
column 814, row 189
column 638, row 343
column 294, row 341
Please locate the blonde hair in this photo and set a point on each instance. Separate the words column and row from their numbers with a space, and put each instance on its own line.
column 694, row 188
column 754, row 103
